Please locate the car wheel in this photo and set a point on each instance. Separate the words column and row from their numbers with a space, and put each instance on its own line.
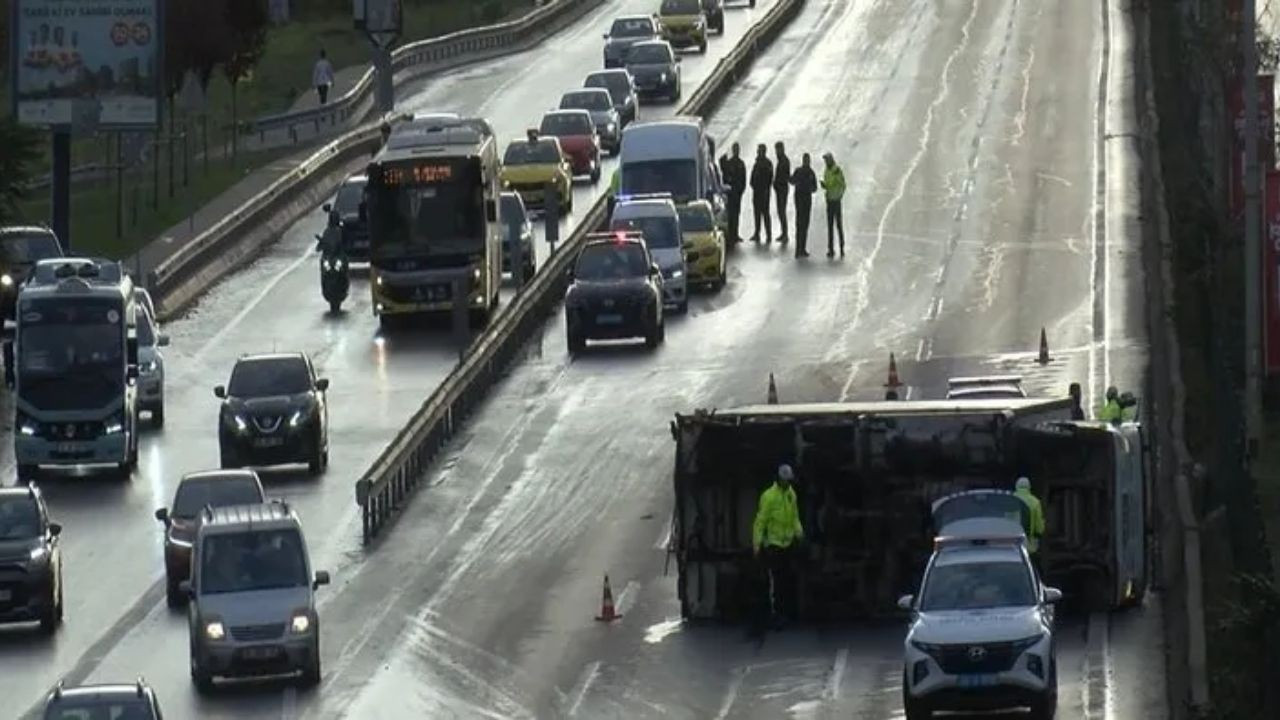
column 913, row 709
column 1044, row 707
column 530, row 268
column 311, row 674
column 49, row 615
column 227, row 459
column 702, row 47
column 575, row 342
column 683, row 307
column 61, row 606
column 157, row 415
column 653, row 334
column 595, row 172
column 172, row 595
column 722, row 279
column 316, row 464
column 201, row 678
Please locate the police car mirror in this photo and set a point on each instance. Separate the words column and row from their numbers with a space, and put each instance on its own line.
column 322, row 384
column 322, row 578
column 55, row 529
column 1052, row 595
column 327, row 208
column 905, row 602
column 220, row 392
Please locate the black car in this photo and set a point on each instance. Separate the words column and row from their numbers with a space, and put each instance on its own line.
column 656, row 69
column 622, row 90
column 615, row 293
column 115, row 702
column 516, row 229
column 197, row 491
column 20, row 249
column 347, row 212
column 274, row 413
column 714, row 10
column 625, row 32
column 30, row 560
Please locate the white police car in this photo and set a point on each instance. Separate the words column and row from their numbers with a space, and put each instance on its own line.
column 981, row 633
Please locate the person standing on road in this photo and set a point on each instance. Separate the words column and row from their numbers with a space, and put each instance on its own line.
column 761, row 185
column 775, row 535
column 322, row 77
column 834, row 185
column 806, row 185
column 781, row 184
column 1035, row 524
column 734, row 173
column 1111, row 410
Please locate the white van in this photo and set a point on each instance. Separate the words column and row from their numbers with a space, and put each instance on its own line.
column 670, row 156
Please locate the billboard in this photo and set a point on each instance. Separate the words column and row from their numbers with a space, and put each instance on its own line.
column 69, row 54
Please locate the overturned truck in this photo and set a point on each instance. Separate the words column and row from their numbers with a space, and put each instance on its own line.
column 866, row 475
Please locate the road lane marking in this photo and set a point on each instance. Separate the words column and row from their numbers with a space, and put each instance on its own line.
column 289, row 704
column 731, row 693
column 589, row 676
column 627, row 597
column 837, row 675
column 1097, row 669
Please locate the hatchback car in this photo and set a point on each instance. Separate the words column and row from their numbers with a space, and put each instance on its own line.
column 621, row 89
column 529, row 166
column 252, row 593
column 625, row 32
column 656, row 69
column 578, row 137
column 615, row 292
column 21, row 247
column 30, row 560
column 109, row 702
column 599, row 104
column 347, row 213
column 704, row 251
column 683, row 23
column 517, row 232
column 151, row 367
column 274, row 412
column 197, row 491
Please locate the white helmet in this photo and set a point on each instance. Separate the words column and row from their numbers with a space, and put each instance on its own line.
column 1023, row 483
column 785, row 473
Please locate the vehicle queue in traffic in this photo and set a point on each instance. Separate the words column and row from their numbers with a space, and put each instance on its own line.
column 227, row 545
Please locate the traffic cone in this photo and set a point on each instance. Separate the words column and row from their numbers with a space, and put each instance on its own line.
column 893, row 381
column 772, row 398
column 1044, row 348
column 607, row 612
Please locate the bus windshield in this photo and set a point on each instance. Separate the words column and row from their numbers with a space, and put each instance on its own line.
column 71, row 352
column 678, row 177
column 413, row 217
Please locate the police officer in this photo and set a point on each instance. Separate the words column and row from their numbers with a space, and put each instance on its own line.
column 1077, row 404
column 734, row 173
column 1035, row 525
column 781, row 184
column 775, row 535
column 615, row 184
column 761, row 185
column 834, row 185
column 1111, row 410
column 806, row 185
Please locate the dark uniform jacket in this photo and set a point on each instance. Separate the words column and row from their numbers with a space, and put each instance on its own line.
column 734, row 173
column 782, row 173
column 762, row 175
column 806, row 184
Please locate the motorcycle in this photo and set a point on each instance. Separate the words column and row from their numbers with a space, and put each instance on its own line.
column 335, row 280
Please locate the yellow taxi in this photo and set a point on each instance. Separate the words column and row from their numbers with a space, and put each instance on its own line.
column 529, row 165
column 703, row 240
column 684, row 24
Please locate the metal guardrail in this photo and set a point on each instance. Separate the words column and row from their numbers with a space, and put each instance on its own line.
column 455, row 47
column 394, row 475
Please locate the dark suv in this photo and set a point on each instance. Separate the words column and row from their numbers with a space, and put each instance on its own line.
column 30, row 560
column 20, row 249
column 274, row 413
column 197, row 491
column 117, row 702
column 616, row 292
column 347, row 212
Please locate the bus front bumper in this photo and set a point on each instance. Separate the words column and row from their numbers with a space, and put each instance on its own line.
column 104, row 450
column 421, row 293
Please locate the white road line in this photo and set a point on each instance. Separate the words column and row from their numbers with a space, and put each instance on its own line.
column 627, row 597
column 253, row 304
column 837, row 675
column 289, row 704
column 1097, row 669
column 664, row 540
column 589, row 676
column 731, row 694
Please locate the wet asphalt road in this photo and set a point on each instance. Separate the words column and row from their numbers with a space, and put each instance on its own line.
column 968, row 143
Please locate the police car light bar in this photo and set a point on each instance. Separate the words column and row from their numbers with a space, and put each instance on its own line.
column 616, row 235
column 978, row 540
column 982, row 380
column 645, row 196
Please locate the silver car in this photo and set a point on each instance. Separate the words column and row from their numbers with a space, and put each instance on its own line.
column 599, row 103
column 252, row 610
column 625, row 32
column 151, row 367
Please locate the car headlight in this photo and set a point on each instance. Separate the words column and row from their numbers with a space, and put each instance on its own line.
column 1024, row 644
column 677, row 274
column 236, row 422
column 378, row 281
column 297, row 419
column 926, row 648
column 114, row 424
column 475, row 274
column 149, row 367
column 610, row 127
column 26, row 426
column 6, row 280
column 39, row 553
column 214, row 630
column 663, row 76
column 300, row 624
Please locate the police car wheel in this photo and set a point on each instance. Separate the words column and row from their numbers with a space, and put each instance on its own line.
column 914, row 709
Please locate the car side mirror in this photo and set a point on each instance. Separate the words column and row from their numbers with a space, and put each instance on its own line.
column 906, row 601
column 322, row 578
column 679, row 59
column 491, row 211
column 162, row 514
column 654, row 270
column 605, row 36
column 163, row 341
column 327, row 208
column 132, row 372
column 220, row 392
column 55, row 529
column 184, row 587
column 322, row 384
column 1052, row 595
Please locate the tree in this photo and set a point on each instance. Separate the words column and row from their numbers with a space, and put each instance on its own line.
column 247, row 21
column 21, row 153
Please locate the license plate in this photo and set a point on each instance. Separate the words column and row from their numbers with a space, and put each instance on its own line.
column 261, row 653
column 609, row 319
column 268, row 442
column 6, row 595
column 975, row 681
column 69, row 447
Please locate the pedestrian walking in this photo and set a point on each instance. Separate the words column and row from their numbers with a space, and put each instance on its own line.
column 833, row 184
column 781, row 186
column 775, row 538
column 761, row 186
column 322, row 77
column 734, row 172
column 806, row 184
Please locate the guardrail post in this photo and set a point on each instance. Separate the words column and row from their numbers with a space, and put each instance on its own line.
column 551, row 214
column 461, row 304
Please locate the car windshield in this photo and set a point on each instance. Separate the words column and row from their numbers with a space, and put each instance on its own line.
column 681, row 7
column 194, row 495
column 562, row 124
column 252, row 560
column 589, row 100
column 649, row 55
column 616, row 83
column 527, row 153
column 98, row 708
column 269, row 377
column 696, row 218
column 146, row 329
column 659, row 232
column 631, row 27
column 977, row 586
column 19, row 518
column 678, row 177
column 611, row 261
column 27, row 248
column 349, row 197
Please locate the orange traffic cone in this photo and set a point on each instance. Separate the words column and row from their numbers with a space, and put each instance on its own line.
column 773, row 391
column 607, row 612
column 1044, row 348
column 893, row 381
